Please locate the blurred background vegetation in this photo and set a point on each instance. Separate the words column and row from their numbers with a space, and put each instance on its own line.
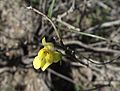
column 90, row 33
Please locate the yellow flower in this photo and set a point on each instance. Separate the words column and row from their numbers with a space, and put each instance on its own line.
column 46, row 56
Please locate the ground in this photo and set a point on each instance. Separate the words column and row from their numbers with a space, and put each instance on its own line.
column 88, row 36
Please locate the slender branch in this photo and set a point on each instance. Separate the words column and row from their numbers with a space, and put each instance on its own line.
column 101, row 63
column 95, row 88
column 104, row 25
column 76, row 30
column 61, row 76
column 96, row 49
column 40, row 13
column 70, row 10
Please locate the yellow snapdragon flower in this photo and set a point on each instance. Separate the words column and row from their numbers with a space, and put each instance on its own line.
column 46, row 56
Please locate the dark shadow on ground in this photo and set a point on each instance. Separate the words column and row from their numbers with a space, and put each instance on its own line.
column 60, row 84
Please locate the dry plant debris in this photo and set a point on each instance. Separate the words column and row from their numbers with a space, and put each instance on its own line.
column 86, row 32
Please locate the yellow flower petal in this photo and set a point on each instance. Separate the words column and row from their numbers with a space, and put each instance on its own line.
column 36, row 63
column 47, row 44
column 44, row 41
column 57, row 56
column 42, row 53
column 46, row 56
column 46, row 66
column 49, row 57
column 42, row 63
